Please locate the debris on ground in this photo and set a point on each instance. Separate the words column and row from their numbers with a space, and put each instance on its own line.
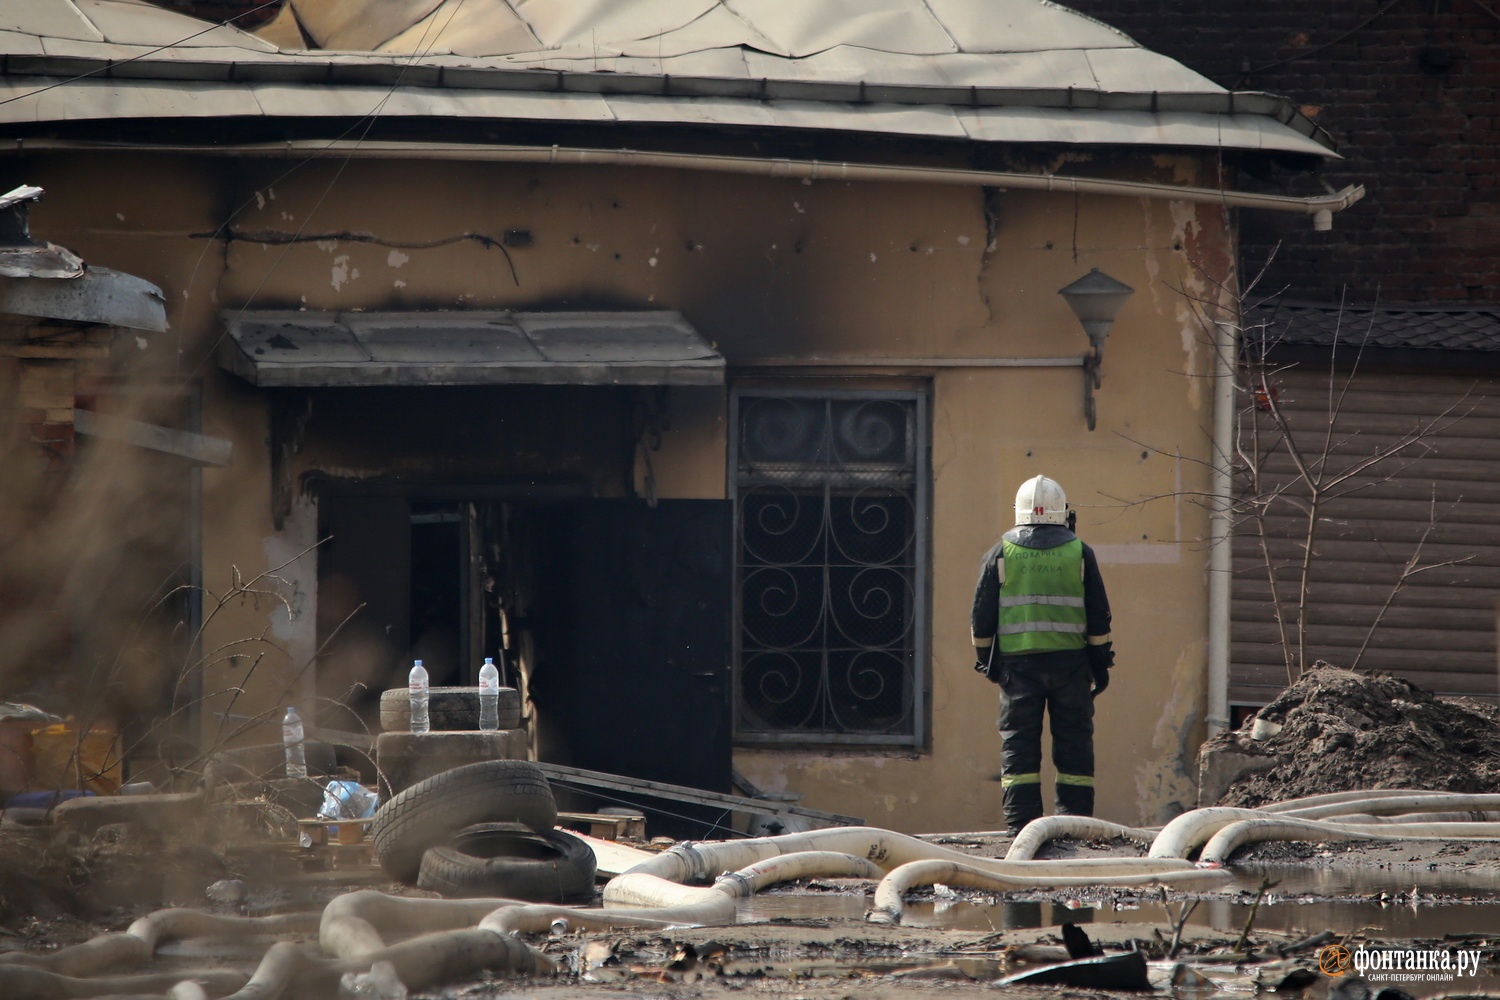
column 1338, row 730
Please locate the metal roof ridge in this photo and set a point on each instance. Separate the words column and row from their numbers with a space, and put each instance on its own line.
column 458, row 74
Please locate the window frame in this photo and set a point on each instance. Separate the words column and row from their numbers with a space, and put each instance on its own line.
column 920, row 679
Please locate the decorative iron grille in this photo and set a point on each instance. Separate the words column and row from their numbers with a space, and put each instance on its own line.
column 830, row 548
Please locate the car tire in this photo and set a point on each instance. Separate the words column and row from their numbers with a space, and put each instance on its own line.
column 501, row 859
column 432, row 812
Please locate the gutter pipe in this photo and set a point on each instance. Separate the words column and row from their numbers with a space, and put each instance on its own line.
column 1220, row 550
column 1320, row 207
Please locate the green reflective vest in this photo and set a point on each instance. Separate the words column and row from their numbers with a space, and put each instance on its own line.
column 1041, row 599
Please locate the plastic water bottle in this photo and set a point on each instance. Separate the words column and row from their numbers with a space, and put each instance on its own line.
column 489, row 696
column 291, row 739
column 417, row 696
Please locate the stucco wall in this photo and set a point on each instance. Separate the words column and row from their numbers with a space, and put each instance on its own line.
column 770, row 271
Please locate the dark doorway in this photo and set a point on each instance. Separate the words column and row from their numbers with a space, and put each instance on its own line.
column 616, row 622
column 630, row 615
column 439, row 571
column 364, row 604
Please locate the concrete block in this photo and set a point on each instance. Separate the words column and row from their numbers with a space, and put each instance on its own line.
column 1220, row 764
column 165, row 813
column 403, row 759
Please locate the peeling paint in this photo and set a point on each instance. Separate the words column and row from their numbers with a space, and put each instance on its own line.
column 327, row 246
column 1164, row 781
column 400, row 283
column 342, row 272
column 396, row 259
column 1197, row 288
column 797, row 206
column 963, row 241
column 872, row 256
column 260, row 200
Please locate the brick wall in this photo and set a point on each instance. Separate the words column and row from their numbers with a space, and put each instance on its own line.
column 1419, row 134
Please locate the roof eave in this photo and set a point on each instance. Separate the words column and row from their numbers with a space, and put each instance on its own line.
column 373, row 69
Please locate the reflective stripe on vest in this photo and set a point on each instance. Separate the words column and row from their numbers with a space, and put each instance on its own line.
column 1041, row 599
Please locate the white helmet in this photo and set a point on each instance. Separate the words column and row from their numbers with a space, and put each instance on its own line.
column 1041, row 501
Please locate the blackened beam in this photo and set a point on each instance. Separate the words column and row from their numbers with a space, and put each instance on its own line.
column 696, row 796
column 199, row 448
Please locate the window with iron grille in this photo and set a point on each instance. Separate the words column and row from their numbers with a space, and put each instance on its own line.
column 830, row 604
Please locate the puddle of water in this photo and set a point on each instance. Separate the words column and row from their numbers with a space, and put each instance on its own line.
column 1289, row 907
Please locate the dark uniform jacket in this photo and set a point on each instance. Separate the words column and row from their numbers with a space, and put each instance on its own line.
column 985, row 618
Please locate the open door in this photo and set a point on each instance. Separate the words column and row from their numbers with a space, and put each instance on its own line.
column 651, row 591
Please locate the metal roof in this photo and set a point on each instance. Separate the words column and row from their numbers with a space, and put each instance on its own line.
column 286, row 348
column 1411, row 327
column 980, row 70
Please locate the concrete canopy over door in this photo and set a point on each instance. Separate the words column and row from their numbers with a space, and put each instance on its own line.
column 308, row 349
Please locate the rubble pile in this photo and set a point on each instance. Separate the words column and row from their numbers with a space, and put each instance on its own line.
column 1339, row 730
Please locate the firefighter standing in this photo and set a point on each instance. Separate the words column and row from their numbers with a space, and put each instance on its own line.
column 1041, row 601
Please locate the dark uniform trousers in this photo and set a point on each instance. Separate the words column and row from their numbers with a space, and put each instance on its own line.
column 1062, row 687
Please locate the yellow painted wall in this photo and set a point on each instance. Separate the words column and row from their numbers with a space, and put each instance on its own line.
column 771, row 271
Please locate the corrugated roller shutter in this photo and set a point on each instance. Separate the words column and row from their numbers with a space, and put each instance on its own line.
column 1442, row 492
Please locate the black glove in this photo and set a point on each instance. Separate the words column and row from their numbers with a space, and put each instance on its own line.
column 982, row 664
column 1101, row 658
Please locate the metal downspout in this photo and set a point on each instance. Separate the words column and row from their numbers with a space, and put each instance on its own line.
column 1320, row 207
column 1220, row 565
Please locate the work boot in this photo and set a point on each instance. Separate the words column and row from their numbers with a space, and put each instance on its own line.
column 1075, row 800
column 1023, row 803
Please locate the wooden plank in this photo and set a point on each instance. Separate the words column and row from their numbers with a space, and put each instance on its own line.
column 680, row 793
column 1434, row 642
column 1468, row 574
column 1409, row 516
column 609, row 826
column 1360, row 615
column 613, row 858
column 198, row 448
column 1255, row 590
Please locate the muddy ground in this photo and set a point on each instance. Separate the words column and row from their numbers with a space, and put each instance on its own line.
column 839, row 955
column 1337, row 730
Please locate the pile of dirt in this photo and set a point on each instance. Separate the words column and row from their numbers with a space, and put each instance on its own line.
column 1341, row 730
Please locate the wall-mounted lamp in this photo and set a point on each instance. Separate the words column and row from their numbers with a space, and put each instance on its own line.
column 1095, row 299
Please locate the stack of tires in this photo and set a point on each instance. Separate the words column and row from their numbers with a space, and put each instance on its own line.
column 483, row 829
column 454, row 738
